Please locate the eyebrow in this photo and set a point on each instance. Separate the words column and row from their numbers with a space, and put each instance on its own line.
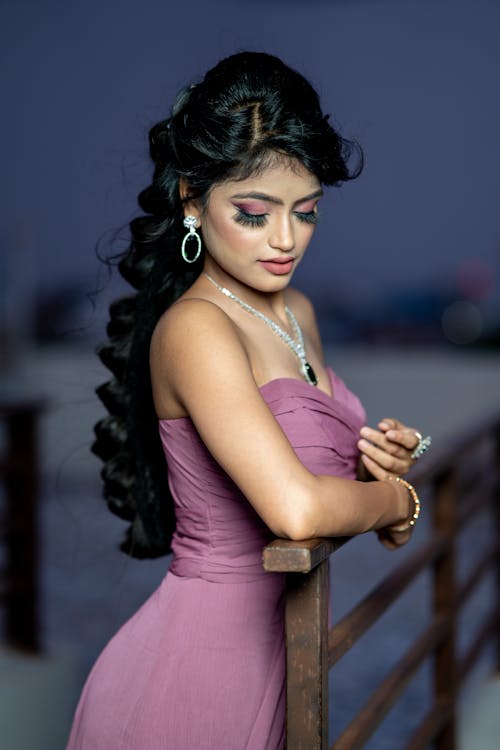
column 277, row 201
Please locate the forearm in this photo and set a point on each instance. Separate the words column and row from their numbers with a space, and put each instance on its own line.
column 342, row 507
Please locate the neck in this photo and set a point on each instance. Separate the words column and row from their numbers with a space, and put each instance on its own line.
column 294, row 342
column 271, row 302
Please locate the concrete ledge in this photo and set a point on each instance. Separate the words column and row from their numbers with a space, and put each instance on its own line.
column 480, row 718
column 38, row 694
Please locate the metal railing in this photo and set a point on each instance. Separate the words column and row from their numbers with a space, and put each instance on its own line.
column 458, row 485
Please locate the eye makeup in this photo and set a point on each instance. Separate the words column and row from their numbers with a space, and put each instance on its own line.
column 252, row 220
column 309, row 217
column 250, row 207
column 308, row 211
column 250, row 214
column 253, row 214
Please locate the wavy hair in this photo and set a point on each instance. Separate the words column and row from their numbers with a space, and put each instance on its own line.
column 249, row 110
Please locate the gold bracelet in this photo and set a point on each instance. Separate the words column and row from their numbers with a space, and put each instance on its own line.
column 417, row 505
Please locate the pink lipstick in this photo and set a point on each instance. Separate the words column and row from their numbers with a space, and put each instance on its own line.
column 278, row 266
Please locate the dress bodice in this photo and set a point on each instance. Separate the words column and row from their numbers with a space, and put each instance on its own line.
column 218, row 534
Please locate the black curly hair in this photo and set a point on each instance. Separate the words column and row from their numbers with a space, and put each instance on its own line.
column 247, row 111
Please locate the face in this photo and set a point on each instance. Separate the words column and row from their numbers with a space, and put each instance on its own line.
column 257, row 230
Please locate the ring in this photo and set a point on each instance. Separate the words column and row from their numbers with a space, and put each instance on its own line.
column 422, row 445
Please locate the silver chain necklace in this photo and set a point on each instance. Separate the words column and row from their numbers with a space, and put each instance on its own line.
column 296, row 346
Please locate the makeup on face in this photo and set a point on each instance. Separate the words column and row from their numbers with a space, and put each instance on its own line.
column 257, row 230
column 253, row 208
column 278, row 266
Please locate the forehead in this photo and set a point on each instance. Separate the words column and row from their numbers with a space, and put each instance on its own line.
column 287, row 181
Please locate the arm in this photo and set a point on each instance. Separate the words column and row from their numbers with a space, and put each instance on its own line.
column 385, row 452
column 199, row 364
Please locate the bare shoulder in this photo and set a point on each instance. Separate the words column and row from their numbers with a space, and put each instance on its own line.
column 188, row 319
column 193, row 342
column 194, row 328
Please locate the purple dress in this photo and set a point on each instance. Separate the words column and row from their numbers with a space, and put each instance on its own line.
column 202, row 663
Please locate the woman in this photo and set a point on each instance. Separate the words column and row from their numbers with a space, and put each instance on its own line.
column 260, row 438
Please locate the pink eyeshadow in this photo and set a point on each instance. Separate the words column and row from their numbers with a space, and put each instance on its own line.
column 306, row 207
column 251, row 208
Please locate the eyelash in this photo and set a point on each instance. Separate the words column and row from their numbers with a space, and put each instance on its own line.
column 258, row 220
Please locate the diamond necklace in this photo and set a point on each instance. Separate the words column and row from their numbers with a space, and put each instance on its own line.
column 296, row 346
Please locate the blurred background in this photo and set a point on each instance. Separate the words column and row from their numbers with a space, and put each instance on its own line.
column 404, row 268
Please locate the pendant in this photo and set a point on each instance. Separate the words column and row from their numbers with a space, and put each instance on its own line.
column 309, row 374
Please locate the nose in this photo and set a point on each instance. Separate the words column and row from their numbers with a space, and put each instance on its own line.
column 282, row 236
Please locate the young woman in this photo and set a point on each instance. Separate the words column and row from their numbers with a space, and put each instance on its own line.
column 219, row 376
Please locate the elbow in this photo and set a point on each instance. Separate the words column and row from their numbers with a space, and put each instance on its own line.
column 299, row 524
column 298, row 513
column 300, row 532
column 297, row 535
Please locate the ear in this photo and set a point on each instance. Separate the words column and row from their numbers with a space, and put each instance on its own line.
column 190, row 207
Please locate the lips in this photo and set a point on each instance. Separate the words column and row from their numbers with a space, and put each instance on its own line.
column 278, row 266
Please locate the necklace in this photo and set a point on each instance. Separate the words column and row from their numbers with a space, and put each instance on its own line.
column 296, row 346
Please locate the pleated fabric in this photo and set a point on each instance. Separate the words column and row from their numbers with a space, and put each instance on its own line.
column 202, row 663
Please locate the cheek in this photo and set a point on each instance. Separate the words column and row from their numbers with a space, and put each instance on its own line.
column 306, row 233
column 233, row 236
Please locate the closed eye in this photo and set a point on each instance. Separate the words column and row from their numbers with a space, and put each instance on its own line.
column 248, row 219
column 309, row 217
column 258, row 220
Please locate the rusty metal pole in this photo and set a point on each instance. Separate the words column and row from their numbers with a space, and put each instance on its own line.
column 307, row 659
column 445, row 665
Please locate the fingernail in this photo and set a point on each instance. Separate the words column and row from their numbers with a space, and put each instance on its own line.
column 365, row 431
column 384, row 425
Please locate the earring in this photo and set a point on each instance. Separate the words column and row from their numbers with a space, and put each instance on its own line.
column 190, row 223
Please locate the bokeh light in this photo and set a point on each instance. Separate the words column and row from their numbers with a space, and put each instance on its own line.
column 462, row 322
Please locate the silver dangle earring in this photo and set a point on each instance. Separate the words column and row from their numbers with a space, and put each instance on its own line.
column 190, row 223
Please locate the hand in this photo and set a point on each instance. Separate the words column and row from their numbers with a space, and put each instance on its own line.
column 393, row 539
column 387, row 451
column 396, row 535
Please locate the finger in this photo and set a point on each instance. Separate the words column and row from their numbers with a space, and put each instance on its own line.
column 378, row 472
column 387, row 541
column 389, row 423
column 393, row 540
column 375, row 470
column 400, row 433
column 386, row 460
column 379, row 439
column 407, row 437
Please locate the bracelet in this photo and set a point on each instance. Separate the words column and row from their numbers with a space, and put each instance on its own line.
column 417, row 505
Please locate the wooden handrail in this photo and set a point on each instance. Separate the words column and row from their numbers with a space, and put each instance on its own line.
column 283, row 556
column 350, row 629
column 457, row 491
column 382, row 700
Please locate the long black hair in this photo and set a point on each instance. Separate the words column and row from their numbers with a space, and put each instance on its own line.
column 248, row 110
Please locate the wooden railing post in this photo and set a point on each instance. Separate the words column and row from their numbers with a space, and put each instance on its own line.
column 21, row 532
column 306, row 623
column 458, row 497
column 495, row 509
column 445, row 665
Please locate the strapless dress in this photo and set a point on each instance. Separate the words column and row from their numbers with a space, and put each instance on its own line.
column 201, row 665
